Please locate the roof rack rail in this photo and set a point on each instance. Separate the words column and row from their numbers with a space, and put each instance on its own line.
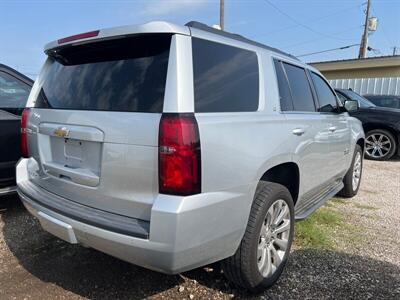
column 238, row 37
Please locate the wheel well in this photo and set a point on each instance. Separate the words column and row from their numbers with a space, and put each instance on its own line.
column 361, row 142
column 369, row 127
column 286, row 174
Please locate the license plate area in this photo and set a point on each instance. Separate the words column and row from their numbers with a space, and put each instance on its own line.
column 73, row 151
column 76, row 154
column 75, row 157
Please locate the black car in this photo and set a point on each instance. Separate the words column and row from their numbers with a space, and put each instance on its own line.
column 14, row 91
column 384, row 100
column 381, row 126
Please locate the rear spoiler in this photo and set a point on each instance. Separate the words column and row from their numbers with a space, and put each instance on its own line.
column 116, row 32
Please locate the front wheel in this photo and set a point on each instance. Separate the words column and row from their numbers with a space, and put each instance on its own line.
column 352, row 179
column 264, row 249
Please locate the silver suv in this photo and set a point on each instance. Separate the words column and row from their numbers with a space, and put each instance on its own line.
column 172, row 147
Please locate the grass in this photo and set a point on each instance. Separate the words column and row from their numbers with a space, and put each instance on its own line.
column 339, row 201
column 318, row 230
column 326, row 228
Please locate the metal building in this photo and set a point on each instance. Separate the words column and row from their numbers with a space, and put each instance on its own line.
column 374, row 75
column 372, row 86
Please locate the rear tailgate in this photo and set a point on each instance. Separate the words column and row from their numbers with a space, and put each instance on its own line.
column 95, row 122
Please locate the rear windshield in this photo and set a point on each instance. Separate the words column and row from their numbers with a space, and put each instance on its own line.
column 127, row 74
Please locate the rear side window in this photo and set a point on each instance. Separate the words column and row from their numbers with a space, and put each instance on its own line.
column 128, row 74
column 13, row 93
column 283, row 86
column 326, row 98
column 386, row 101
column 226, row 78
column 300, row 88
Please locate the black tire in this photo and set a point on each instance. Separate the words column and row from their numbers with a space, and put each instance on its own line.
column 241, row 268
column 348, row 190
column 389, row 136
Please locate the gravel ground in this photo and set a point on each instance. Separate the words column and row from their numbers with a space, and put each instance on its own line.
column 35, row 265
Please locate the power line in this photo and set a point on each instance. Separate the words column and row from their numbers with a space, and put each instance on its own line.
column 319, row 39
column 315, row 20
column 301, row 24
column 328, row 50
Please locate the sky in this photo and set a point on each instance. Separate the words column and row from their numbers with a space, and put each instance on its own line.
column 295, row 26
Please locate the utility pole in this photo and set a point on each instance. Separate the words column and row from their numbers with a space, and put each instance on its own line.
column 364, row 39
column 221, row 14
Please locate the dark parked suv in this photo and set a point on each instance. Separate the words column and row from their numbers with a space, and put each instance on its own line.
column 384, row 100
column 381, row 126
column 14, row 92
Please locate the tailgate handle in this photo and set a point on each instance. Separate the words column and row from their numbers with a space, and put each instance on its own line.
column 77, row 175
column 75, row 132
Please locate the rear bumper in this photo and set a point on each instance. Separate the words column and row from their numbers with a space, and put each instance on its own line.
column 183, row 232
column 39, row 197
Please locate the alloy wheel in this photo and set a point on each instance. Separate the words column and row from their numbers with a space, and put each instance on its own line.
column 378, row 145
column 274, row 238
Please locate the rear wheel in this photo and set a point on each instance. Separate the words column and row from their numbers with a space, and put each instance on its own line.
column 380, row 144
column 264, row 249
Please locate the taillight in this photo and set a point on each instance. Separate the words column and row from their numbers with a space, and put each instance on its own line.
column 24, row 133
column 179, row 155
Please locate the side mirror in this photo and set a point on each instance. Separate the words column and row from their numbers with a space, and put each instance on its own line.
column 351, row 105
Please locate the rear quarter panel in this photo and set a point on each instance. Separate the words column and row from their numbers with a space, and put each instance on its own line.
column 237, row 148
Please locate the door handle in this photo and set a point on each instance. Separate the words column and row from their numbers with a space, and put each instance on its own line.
column 332, row 129
column 298, row 131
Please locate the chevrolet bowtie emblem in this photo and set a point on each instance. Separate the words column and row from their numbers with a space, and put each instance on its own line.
column 61, row 132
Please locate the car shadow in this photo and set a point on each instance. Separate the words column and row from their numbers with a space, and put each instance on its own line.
column 320, row 274
column 83, row 271
column 310, row 273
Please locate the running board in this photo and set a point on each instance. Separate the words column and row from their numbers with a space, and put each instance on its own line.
column 308, row 210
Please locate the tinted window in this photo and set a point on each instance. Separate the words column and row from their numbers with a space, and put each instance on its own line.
column 300, row 88
column 326, row 98
column 284, row 91
column 225, row 78
column 13, row 93
column 116, row 75
column 362, row 102
column 386, row 101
